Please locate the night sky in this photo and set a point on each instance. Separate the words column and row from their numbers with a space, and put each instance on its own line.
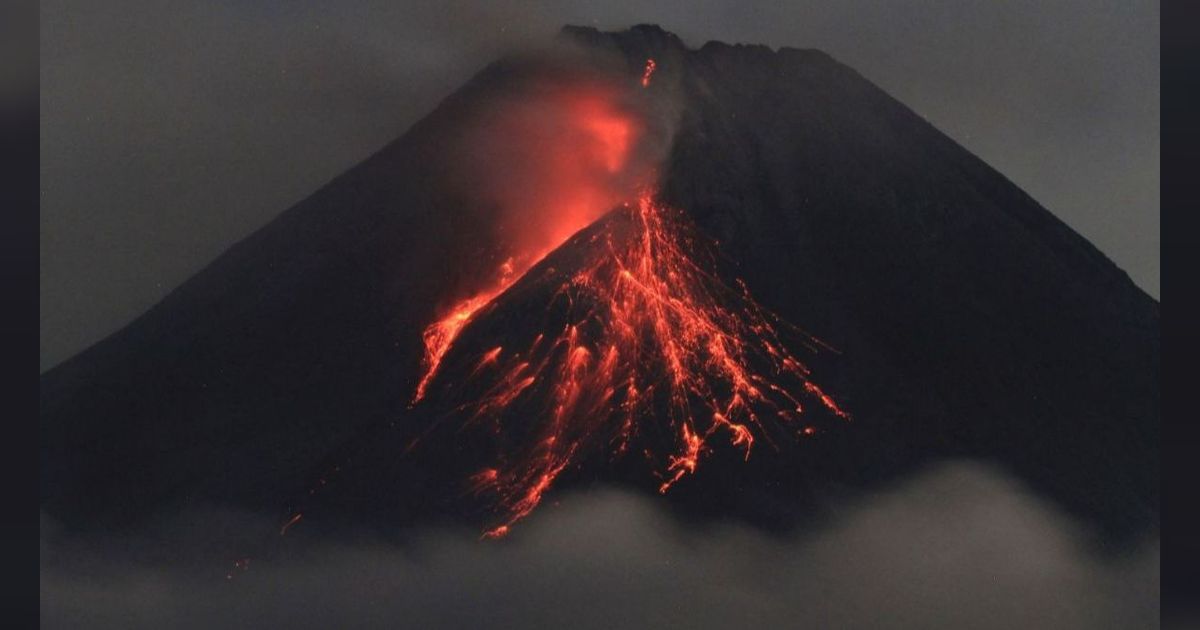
column 172, row 129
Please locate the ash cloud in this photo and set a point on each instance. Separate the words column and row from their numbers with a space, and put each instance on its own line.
column 961, row 545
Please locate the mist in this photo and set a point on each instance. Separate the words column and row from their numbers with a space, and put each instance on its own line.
column 958, row 545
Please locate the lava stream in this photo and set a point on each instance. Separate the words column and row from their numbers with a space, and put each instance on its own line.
column 654, row 344
column 553, row 161
column 440, row 334
column 648, row 72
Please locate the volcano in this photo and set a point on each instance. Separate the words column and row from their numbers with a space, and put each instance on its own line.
column 744, row 279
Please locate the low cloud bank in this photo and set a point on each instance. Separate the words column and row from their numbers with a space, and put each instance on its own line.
column 958, row 546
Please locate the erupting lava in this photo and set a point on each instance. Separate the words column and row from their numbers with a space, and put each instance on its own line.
column 557, row 161
column 653, row 343
column 646, row 346
column 648, row 72
column 439, row 335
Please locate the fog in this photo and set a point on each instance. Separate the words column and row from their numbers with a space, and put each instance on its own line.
column 961, row 545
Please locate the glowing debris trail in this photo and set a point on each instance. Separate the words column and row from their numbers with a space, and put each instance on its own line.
column 654, row 344
column 648, row 72
column 610, row 136
column 440, row 334
column 577, row 164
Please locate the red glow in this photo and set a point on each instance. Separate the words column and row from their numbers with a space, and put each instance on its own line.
column 654, row 344
column 292, row 521
column 648, row 72
column 554, row 162
column 649, row 327
column 440, row 334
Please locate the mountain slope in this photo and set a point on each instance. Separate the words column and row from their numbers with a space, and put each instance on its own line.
column 969, row 320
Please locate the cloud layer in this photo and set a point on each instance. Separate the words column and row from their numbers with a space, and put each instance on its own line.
column 958, row 546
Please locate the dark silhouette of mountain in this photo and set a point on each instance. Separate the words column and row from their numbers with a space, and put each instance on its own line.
column 970, row 321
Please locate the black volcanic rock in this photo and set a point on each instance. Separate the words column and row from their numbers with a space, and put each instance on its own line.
column 971, row 321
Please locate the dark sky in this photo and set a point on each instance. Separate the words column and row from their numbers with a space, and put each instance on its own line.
column 171, row 129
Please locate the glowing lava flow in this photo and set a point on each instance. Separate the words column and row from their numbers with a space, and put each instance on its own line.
column 440, row 334
column 646, row 347
column 654, row 345
column 564, row 161
column 648, row 72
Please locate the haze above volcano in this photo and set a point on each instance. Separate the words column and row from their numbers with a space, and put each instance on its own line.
column 168, row 137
